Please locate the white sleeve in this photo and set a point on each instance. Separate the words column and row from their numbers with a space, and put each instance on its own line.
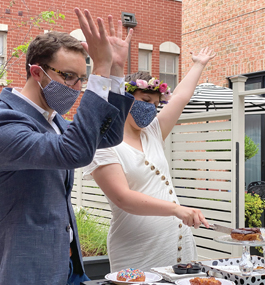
column 99, row 85
column 118, row 84
column 103, row 156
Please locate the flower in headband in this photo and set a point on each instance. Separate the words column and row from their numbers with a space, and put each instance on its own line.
column 153, row 84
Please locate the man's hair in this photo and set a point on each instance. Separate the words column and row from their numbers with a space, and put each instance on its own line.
column 43, row 48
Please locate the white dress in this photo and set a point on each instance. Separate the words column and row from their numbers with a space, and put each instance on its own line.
column 137, row 241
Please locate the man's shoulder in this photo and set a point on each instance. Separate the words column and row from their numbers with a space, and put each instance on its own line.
column 6, row 96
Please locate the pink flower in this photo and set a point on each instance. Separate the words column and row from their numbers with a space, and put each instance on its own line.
column 168, row 92
column 163, row 88
column 141, row 83
column 156, row 82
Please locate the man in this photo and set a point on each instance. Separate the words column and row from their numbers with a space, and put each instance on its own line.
column 39, row 150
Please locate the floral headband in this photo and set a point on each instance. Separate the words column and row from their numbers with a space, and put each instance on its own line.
column 153, row 84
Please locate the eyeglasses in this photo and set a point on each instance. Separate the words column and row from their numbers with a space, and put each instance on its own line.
column 70, row 79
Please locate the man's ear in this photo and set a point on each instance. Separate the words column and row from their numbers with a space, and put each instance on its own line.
column 36, row 72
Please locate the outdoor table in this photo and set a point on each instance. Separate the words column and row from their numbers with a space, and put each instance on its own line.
column 107, row 282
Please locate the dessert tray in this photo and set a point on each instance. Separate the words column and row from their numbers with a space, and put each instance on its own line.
column 227, row 239
column 245, row 264
column 169, row 275
column 150, row 277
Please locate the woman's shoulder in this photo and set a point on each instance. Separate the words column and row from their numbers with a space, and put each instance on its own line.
column 154, row 129
column 102, row 157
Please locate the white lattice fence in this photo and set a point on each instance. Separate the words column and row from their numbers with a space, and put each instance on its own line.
column 86, row 193
column 199, row 154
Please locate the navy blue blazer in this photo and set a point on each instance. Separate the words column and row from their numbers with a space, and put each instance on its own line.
column 36, row 177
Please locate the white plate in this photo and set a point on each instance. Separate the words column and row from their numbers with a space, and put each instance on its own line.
column 187, row 281
column 149, row 278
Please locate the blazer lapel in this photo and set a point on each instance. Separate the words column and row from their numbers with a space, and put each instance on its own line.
column 61, row 122
column 18, row 104
column 62, row 125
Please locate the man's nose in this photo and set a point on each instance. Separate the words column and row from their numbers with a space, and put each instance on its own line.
column 78, row 85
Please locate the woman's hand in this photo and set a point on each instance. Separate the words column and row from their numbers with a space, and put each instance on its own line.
column 191, row 217
column 204, row 56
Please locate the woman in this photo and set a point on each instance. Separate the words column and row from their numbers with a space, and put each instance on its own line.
column 149, row 228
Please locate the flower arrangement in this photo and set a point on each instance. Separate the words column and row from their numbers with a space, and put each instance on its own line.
column 153, row 84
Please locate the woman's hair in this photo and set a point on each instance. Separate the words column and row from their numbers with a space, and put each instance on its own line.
column 43, row 48
column 143, row 75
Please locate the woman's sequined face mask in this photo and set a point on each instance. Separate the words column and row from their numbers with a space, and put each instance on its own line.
column 143, row 113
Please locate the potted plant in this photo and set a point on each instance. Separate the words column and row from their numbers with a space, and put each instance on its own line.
column 93, row 242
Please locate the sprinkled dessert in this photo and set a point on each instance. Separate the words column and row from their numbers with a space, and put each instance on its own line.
column 131, row 274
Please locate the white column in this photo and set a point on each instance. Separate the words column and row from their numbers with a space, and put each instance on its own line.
column 79, row 176
column 238, row 137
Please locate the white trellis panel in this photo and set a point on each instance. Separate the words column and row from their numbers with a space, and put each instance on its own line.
column 205, row 152
column 199, row 151
column 86, row 193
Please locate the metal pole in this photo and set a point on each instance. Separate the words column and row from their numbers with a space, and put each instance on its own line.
column 129, row 54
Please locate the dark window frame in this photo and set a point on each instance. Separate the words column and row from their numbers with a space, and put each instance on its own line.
column 253, row 77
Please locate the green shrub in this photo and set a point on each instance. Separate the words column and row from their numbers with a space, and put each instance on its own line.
column 251, row 149
column 92, row 234
column 254, row 207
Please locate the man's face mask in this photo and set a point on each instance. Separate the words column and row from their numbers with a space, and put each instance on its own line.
column 59, row 97
column 143, row 113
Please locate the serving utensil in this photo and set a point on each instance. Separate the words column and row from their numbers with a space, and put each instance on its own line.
column 220, row 228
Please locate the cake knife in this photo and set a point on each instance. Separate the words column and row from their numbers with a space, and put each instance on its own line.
column 220, row 228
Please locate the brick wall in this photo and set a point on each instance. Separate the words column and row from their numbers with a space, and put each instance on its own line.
column 158, row 21
column 234, row 29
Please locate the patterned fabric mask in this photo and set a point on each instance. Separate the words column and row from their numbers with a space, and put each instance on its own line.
column 143, row 113
column 59, row 97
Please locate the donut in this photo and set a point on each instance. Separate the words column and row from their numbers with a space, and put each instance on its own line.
column 246, row 234
column 131, row 274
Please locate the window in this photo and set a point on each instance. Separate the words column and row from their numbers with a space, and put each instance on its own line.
column 167, row 69
column 144, row 61
column 255, row 80
column 3, row 48
column 145, row 57
column 168, row 64
column 78, row 34
column 88, row 66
